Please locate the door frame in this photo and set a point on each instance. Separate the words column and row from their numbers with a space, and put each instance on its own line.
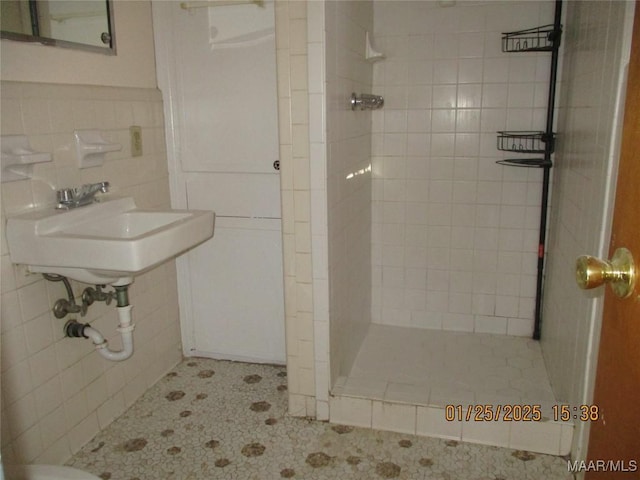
column 166, row 78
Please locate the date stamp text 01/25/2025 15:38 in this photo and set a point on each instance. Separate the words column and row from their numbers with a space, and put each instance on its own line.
column 520, row 413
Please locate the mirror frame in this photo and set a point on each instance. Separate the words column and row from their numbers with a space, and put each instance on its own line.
column 54, row 42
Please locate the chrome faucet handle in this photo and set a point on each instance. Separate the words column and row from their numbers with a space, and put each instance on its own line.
column 65, row 195
column 80, row 196
column 92, row 188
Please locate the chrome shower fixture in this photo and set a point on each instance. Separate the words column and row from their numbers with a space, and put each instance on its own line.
column 366, row 101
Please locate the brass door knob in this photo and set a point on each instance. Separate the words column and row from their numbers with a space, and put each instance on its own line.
column 619, row 272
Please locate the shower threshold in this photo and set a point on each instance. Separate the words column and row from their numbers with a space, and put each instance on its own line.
column 479, row 388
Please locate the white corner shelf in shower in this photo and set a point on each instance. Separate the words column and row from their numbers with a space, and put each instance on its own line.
column 371, row 54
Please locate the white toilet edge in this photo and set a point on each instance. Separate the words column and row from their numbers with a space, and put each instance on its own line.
column 45, row 472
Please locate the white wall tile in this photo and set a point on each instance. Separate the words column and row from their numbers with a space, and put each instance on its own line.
column 518, row 326
column 54, row 453
column 350, row 411
column 29, row 444
column 38, row 333
column 83, row 432
column 48, row 396
column 43, row 365
column 443, row 120
column 14, row 347
column 17, row 381
column 474, row 89
column 489, row 324
column 541, row 437
column 566, row 439
column 33, row 300
column 21, row 413
column 579, row 191
column 445, row 71
column 53, row 427
column 40, row 366
column 461, row 322
column 488, row 433
column 431, row 422
column 394, row 417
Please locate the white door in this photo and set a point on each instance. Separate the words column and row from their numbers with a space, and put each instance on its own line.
column 217, row 71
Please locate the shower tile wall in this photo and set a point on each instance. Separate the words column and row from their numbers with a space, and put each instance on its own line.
column 348, row 161
column 57, row 393
column 596, row 44
column 339, row 142
column 455, row 236
column 293, row 117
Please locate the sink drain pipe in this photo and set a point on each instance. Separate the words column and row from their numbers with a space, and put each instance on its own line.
column 75, row 329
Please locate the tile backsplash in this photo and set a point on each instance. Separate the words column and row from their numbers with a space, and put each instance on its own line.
column 57, row 393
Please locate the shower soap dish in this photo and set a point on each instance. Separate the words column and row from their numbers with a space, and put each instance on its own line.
column 92, row 147
column 18, row 158
column 371, row 54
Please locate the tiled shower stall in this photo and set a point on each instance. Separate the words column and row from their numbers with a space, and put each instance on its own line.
column 419, row 212
column 452, row 237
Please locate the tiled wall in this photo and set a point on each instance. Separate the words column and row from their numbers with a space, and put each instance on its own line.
column 293, row 114
column 348, row 162
column 454, row 234
column 57, row 393
column 316, row 67
column 322, row 142
column 596, row 42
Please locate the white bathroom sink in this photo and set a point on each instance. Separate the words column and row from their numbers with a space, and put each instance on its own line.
column 104, row 243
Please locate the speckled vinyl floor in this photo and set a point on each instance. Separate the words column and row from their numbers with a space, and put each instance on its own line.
column 210, row 419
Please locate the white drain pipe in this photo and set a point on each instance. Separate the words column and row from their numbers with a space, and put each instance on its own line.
column 126, row 332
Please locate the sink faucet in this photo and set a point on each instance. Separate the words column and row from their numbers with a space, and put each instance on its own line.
column 80, row 196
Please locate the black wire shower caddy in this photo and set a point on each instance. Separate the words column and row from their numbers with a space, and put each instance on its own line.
column 537, row 39
column 545, row 38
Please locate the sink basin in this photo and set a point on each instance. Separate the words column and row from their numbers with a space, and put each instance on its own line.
column 107, row 242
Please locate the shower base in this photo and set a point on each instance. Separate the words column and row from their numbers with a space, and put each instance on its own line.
column 479, row 388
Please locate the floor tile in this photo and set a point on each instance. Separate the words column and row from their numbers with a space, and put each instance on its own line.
column 211, row 419
column 454, row 366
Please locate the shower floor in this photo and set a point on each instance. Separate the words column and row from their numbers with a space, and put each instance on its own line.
column 414, row 373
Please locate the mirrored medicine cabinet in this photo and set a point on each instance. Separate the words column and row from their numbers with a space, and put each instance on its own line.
column 80, row 24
